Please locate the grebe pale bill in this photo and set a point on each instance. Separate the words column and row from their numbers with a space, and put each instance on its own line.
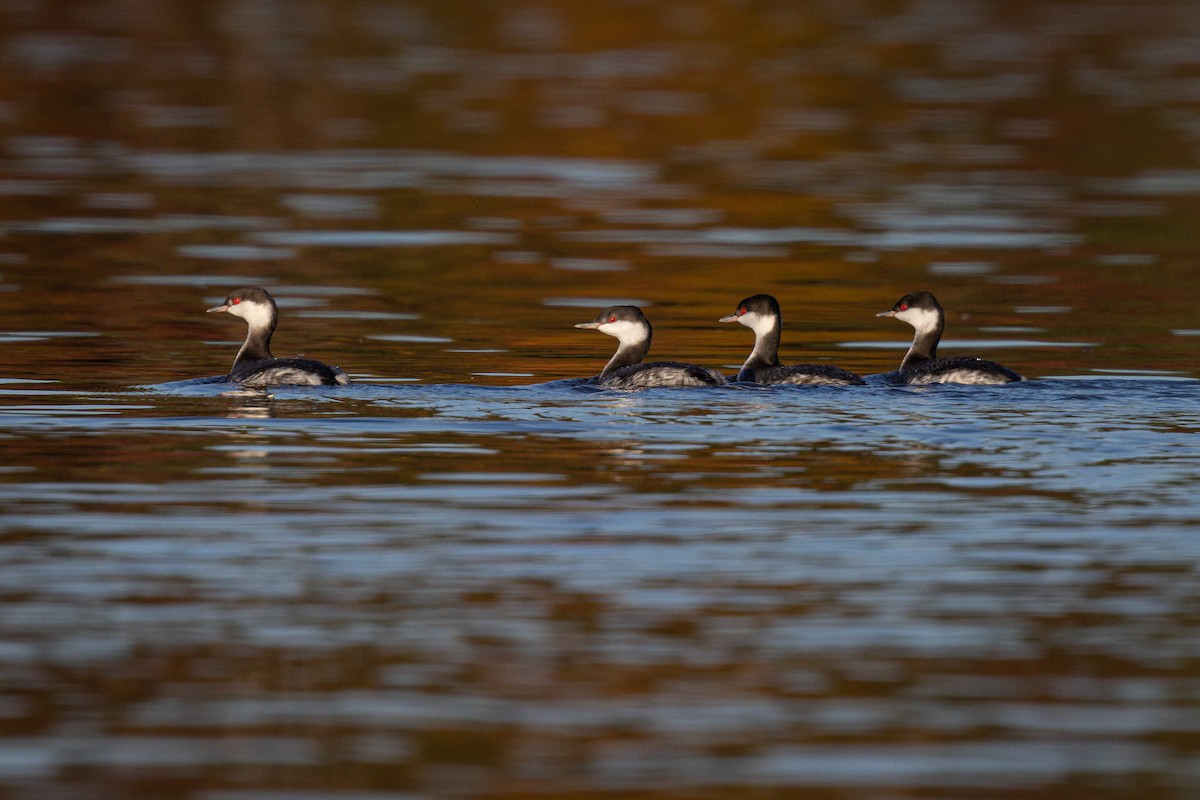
column 254, row 365
column 921, row 366
column 626, row 371
column 760, row 314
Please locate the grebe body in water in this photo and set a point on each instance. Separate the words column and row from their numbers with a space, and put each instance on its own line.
column 760, row 314
column 921, row 366
column 254, row 365
column 626, row 370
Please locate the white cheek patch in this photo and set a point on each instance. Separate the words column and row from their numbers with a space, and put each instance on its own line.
column 761, row 324
column 923, row 319
column 624, row 330
column 257, row 315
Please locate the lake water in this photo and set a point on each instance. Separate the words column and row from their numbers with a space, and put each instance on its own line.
column 466, row 575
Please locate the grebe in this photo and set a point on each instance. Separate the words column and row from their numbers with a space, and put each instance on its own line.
column 254, row 365
column 921, row 366
column 760, row 314
column 626, row 370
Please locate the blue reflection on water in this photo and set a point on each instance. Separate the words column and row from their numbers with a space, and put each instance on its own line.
column 825, row 535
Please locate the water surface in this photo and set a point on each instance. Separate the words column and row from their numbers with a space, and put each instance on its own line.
column 466, row 575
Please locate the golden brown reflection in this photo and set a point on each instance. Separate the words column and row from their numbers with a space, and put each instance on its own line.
column 834, row 158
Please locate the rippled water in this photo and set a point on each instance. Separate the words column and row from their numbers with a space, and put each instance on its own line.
column 480, row 589
column 469, row 575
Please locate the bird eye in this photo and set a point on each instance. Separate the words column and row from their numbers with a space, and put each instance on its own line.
column 612, row 319
column 741, row 311
column 233, row 301
column 904, row 306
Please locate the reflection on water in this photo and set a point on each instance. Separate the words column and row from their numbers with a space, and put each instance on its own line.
column 684, row 589
column 469, row 575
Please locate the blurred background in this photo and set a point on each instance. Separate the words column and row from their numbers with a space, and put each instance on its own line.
column 496, row 171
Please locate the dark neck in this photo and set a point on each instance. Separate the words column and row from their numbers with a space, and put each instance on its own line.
column 765, row 353
column 628, row 354
column 924, row 347
column 257, row 346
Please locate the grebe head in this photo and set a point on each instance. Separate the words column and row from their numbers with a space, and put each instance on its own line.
column 759, row 313
column 919, row 309
column 252, row 304
column 626, row 323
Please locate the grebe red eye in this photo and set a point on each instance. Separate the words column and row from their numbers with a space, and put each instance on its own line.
column 233, row 301
column 904, row 306
column 612, row 319
column 741, row 311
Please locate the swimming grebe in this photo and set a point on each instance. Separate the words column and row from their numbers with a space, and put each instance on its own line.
column 254, row 365
column 921, row 366
column 626, row 370
column 760, row 314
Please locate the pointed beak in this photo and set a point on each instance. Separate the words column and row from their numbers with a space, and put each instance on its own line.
column 588, row 325
column 886, row 314
column 217, row 308
column 729, row 318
